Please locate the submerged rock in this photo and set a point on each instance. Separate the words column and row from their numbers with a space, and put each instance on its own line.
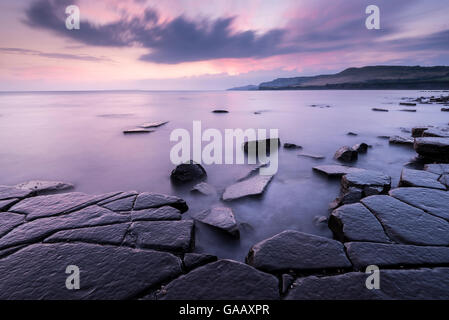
column 253, row 145
column 220, row 111
column 155, row 124
column 293, row 250
column 291, row 146
column 408, row 110
column 219, row 217
column 41, row 186
column 252, row 186
column 401, row 140
column 312, row 156
column 445, row 109
column 419, row 178
column 204, row 189
column 188, row 172
column 360, row 147
column 352, row 134
column 222, row 280
column 433, row 148
column 137, row 131
column 346, row 154
column 336, row 170
column 411, row 104
column 380, row 109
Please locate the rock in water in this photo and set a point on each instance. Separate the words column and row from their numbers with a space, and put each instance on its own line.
column 252, row 186
column 371, row 182
column 360, row 147
column 312, row 156
column 204, row 189
column 401, row 140
column 419, row 178
column 155, row 124
column 253, row 145
column 438, row 168
column 136, row 131
column 291, row 146
column 188, row 172
column 410, row 104
column 220, row 111
column 40, row 187
column 433, row 148
column 418, row 131
column 380, row 109
column 293, row 250
column 222, row 280
column 346, row 154
column 336, row 170
column 434, row 132
column 219, row 217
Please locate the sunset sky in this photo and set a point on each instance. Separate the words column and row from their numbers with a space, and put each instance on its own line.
column 207, row 44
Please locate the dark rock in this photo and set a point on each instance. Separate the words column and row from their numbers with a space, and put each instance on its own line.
column 408, row 110
column 6, row 204
column 222, row 280
column 137, row 131
column 406, row 224
column 437, row 168
column 204, row 189
column 433, row 201
column 106, row 272
column 367, row 180
column 380, row 109
column 351, row 195
column 360, row 147
column 291, row 146
column 155, row 124
column 433, row 148
column 287, row 281
column 312, row 156
column 110, row 234
column 445, row 109
column 219, row 217
column 444, row 179
column 435, row 132
column 354, row 222
column 156, row 214
column 44, row 187
column 363, row 254
column 419, row 178
column 293, row 250
column 252, row 146
column 148, row 200
column 346, row 154
column 384, row 137
column 418, row 131
column 411, row 104
column 336, row 170
column 352, row 134
column 195, row 260
column 401, row 140
column 252, row 186
column 220, row 111
column 9, row 221
column 418, row 284
column 176, row 236
column 188, row 172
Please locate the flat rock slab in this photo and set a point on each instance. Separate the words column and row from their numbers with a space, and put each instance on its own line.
column 406, row 224
column 435, row 132
column 420, row 284
column 420, row 178
column 125, row 204
column 6, row 204
column 176, row 236
column 354, row 222
column 435, row 202
column 401, row 140
column 148, row 200
column 363, row 254
column 444, row 179
column 137, row 131
column 219, row 217
column 42, row 186
column 156, row 214
column 222, row 280
column 311, row 155
column 204, row 188
column 195, row 260
column 437, row 168
column 154, row 124
column 336, row 170
column 252, row 186
column 433, row 148
column 9, row 221
column 367, row 180
column 293, row 250
column 105, row 272
column 7, row 192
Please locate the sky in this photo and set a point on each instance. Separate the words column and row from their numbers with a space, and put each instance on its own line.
column 209, row 44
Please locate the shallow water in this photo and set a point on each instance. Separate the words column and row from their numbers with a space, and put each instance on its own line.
column 77, row 137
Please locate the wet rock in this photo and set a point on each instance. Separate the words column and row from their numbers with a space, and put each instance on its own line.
column 354, row 222
column 254, row 145
column 156, row 214
column 110, row 234
column 222, row 280
column 188, row 172
column 106, row 272
column 312, row 156
column 411, row 104
column 363, row 254
column 346, row 154
column 252, row 186
column 408, row 110
column 433, row 201
column 52, row 205
column 384, row 137
column 41, row 187
column 418, row 131
column 336, row 170
column 417, row 284
column 352, row 195
column 6, row 204
column 360, row 147
column 367, row 180
column 432, row 148
column 204, row 189
column 137, row 131
column 419, row 178
column 9, row 221
column 445, row 109
column 220, row 111
column 434, row 132
column 148, row 200
column 380, row 109
column 406, row 224
column 155, row 124
column 444, row 179
column 437, row 168
column 219, row 217
column 293, row 250
column 401, row 140
column 352, row 134
column 291, row 146
column 195, row 260
column 7, row 193
column 38, row 229
column 287, row 281
column 176, row 236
